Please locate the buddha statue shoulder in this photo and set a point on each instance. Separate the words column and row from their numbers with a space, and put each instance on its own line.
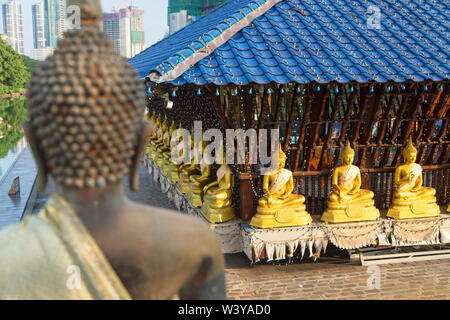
column 348, row 202
column 90, row 241
column 216, row 206
column 280, row 207
column 411, row 198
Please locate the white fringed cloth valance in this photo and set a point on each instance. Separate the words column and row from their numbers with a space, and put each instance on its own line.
column 283, row 243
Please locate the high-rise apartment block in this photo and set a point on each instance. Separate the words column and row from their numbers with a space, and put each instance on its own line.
column 126, row 30
column 38, row 25
column 54, row 21
column 13, row 25
column 180, row 13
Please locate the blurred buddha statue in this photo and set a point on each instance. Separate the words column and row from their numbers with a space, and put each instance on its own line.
column 216, row 206
column 90, row 241
column 165, row 146
column 348, row 202
column 188, row 169
column 411, row 199
column 171, row 167
column 279, row 207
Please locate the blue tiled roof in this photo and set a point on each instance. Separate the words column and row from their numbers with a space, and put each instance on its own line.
column 309, row 40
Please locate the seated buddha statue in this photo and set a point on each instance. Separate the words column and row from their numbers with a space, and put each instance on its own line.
column 90, row 241
column 279, row 207
column 411, row 199
column 216, row 206
column 198, row 182
column 165, row 146
column 171, row 168
column 158, row 142
column 157, row 124
column 188, row 169
column 348, row 202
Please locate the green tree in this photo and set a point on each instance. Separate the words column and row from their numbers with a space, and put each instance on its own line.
column 13, row 73
column 12, row 112
column 29, row 63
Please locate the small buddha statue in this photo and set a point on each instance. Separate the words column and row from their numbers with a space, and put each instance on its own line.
column 157, row 124
column 90, row 241
column 411, row 199
column 158, row 142
column 348, row 202
column 188, row 169
column 170, row 168
column 165, row 146
column 279, row 207
column 198, row 182
column 216, row 206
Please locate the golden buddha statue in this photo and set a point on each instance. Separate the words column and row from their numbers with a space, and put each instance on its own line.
column 188, row 169
column 279, row 207
column 165, row 146
column 198, row 182
column 90, row 241
column 411, row 199
column 157, row 142
column 216, row 206
column 348, row 202
column 170, row 168
column 149, row 147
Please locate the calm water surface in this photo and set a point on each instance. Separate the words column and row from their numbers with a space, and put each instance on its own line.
column 12, row 113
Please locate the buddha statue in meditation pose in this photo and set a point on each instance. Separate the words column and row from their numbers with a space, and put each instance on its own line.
column 86, row 128
column 156, row 122
column 279, row 207
column 411, row 199
column 155, row 144
column 165, row 146
column 216, row 206
column 171, row 167
column 348, row 202
column 198, row 182
column 188, row 169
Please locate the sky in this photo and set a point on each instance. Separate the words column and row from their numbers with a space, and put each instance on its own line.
column 155, row 18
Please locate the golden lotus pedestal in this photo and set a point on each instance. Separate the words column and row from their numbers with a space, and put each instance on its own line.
column 281, row 217
column 219, row 215
column 416, row 209
column 340, row 213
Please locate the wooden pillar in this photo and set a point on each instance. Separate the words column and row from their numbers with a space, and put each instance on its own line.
column 246, row 197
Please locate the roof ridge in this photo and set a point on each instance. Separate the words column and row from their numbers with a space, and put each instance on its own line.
column 174, row 66
column 167, row 38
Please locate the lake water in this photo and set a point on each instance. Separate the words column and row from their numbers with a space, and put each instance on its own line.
column 12, row 142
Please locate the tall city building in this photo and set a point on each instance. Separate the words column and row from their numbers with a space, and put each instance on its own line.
column 126, row 30
column 38, row 25
column 54, row 21
column 13, row 25
column 180, row 13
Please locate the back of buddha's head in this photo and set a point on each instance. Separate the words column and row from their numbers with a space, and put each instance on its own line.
column 86, row 107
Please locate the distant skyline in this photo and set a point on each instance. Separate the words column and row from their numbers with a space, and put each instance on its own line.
column 155, row 18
